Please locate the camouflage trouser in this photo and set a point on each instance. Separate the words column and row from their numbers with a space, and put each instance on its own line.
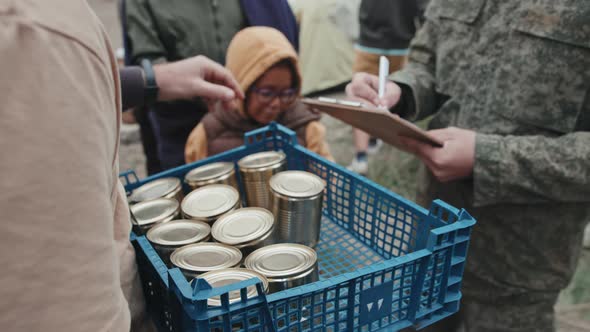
column 530, row 317
column 516, row 314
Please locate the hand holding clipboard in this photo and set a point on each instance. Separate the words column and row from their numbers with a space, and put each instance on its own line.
column 449, row 153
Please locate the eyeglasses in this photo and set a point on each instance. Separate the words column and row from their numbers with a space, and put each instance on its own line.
column 266, row 95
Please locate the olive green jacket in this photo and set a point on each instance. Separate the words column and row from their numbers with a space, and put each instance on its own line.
column 178, row 29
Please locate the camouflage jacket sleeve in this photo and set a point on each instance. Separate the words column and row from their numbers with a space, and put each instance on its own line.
column 142, row 31
column 417, row 80
column 532, row 169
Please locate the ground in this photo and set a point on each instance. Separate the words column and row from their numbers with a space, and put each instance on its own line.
column 390, row 168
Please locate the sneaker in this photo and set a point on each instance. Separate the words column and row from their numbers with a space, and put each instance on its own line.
column 374, row 146
column 360, row 166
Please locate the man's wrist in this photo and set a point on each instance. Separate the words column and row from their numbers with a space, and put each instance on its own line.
column 405, row 105
column 150, row 83
column 166, row 82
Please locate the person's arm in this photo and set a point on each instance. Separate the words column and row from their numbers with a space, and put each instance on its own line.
column 132, row 87
column 416, row 80
column 410, row 92
column 511, row 169
column 58, row 137
column 186, row 79
column 198, row 76
column 505, row 169
column 532, row 169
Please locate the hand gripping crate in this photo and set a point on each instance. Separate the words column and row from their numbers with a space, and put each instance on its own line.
column 385, row 262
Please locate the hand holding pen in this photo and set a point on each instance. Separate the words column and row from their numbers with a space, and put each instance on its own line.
column 374, row 90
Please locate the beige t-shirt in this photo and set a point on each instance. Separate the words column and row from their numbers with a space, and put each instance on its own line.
column 66, row 263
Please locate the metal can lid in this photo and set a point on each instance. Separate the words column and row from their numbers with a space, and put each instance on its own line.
column 205, row 257
column 155, row 189
column 210, row 201
column 209, row 172
column 297, row 184
column 220, row 278
column 179, row 233
column 243, row 226
column 282, row 260
column 153, row 211
column 261, row 160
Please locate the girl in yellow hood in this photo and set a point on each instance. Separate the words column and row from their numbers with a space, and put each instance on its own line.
column 265, row 65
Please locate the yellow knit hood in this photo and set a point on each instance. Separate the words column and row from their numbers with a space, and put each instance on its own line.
column 254, row 50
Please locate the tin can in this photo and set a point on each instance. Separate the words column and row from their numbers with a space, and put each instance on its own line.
column 210, row 202
column 196, row 259
column 256, row 170
column 149, row 213
column 167, row 237
column 214, row 173
column 225, row 277
column 161, row 188
column 247, row 229
column 285, row 265
column 297, row 199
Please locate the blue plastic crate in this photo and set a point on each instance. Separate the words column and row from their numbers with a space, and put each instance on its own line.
column 384, row 261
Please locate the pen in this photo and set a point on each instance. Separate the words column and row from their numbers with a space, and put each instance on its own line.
column 383, row 72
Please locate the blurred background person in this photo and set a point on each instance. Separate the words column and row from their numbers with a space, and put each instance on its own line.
column 169, row 31
column 386, row 29
column 326, row 47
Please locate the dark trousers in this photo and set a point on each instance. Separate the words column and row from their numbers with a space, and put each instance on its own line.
column 148, row 141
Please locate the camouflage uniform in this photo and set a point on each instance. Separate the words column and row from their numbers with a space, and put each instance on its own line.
column 518, row 73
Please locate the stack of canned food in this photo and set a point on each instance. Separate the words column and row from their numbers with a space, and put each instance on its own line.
column 208, row 234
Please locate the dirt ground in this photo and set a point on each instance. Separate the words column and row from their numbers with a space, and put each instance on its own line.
column 390, row 168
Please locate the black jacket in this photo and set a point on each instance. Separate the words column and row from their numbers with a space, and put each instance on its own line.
column 389, row 24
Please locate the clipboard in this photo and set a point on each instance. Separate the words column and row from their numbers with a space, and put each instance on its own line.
column 377, row 122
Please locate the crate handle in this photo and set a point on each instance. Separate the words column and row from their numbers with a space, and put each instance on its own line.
column 202, row 290
column 444, row 212
column 271, row 130
column 127, row 175
column 289, row 134
column 201, row 285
